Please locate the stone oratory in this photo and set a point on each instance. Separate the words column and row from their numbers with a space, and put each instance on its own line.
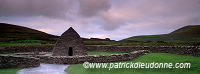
column 69, row 44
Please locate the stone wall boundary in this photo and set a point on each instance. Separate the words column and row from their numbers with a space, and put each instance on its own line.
column 91, row 58
column 11, row 61
column 180, row 50
column 8, row 61
column 16, row 49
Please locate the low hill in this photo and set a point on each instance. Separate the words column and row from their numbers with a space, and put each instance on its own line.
column 10, row 32
column 189, row 33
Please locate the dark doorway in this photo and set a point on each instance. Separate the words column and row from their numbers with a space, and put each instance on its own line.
column 70, row 52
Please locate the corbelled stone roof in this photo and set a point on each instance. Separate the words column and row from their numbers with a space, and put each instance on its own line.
column 70, row 34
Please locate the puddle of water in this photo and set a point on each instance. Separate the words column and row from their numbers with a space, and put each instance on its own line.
column 45, row 69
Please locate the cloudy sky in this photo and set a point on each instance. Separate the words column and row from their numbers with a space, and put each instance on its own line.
column 114, row 19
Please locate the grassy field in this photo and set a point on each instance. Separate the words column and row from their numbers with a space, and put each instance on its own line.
column 103, row 43
column 152, row 38
column 9, row 70
column 149, row 58
column 17, row 44
column 26, row 42
column 112, row 43
column 140, row 43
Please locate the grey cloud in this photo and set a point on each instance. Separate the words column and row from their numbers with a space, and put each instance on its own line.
column 111, row 22
column 48, row 8
column 155, row 11
column 118, row 17
column 52, row 8
column 90, row 8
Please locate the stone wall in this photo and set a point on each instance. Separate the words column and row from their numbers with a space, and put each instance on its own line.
column 91, row 58
column 18, row 62
column 130, row 53
column 180, row 50
column 14, row 49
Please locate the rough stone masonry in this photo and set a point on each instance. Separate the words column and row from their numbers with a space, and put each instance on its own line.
column 69, row 44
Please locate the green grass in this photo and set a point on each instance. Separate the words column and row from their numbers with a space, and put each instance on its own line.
column 152, row 38
column 96, row 42
column 165, row 37
column 9, row 70
column 148, row 58
column 16, row 44
column 115, row 43
column 28, row 41
column 6, row 53
column 141, row 41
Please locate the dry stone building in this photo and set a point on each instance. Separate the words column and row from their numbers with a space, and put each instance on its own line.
column 69, row 44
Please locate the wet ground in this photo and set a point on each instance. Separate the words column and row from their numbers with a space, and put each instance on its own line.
column 45, row 69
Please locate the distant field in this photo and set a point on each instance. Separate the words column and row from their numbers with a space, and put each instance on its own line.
column 152, row 38
column 149, row 58
column 103, row 43
column 165, row 37
column 145, row 43
column 16, row 44
column 25, row 42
